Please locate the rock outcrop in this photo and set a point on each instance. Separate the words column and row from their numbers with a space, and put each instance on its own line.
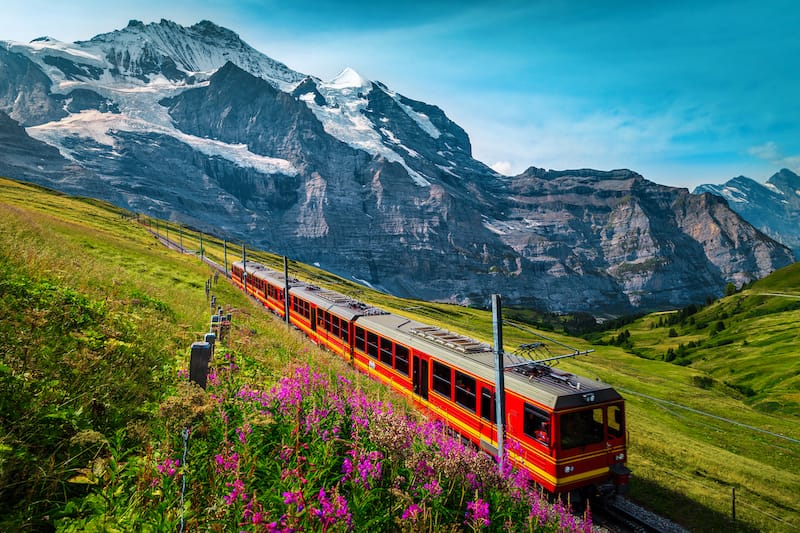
column 193, row 125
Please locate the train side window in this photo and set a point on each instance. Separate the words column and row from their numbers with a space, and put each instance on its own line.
column 372, row 345
column 581, row 428
column 386, row 352
column 336, row 330
column 465, row 391
column 615, row 424
column 442, row 379
column 487, row 405
column 345, row 331
column 401, row 359
column 360, row 339
column 537, row 424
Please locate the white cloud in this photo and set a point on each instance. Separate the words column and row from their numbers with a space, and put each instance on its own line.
column 767, row 151
column 503, row 167
column 770, row 151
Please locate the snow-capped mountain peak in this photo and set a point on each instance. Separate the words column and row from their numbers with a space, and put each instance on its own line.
column 348, row 79
column 193, row 124
column 137, row 67
column 773, row 207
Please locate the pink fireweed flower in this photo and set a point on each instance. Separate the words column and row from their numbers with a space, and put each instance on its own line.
column 332, row 512
column 367, row 465
column 227, row 461
column 294, row 498
column 412, row 512
column 169, row 467
column 243, row 432
column 477, row 513
column 433, row 488
column 237, row 492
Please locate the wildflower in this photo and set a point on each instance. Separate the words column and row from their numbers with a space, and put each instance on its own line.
column 169, row 467
column 294, row 498
column 228, row 461
column 368, row 466
column 237, row 492
column 243, row 431
column 477, row 513
column 412, row 512
column 433, row 488
column 347, row 467
column 332, row 512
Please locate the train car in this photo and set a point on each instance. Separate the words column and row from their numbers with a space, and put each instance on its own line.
column 266, row 285
column 567, row 431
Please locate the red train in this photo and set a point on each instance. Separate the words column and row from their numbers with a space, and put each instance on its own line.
column 569, row 431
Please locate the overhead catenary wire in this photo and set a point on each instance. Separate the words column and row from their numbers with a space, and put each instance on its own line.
column 573, row 351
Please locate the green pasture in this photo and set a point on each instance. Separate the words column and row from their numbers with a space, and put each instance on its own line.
column 722, row 415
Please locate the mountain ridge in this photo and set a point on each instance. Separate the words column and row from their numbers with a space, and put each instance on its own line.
column 350, row 175
column 772, row 207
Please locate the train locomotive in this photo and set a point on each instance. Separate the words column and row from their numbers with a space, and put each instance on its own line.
column 569, row 431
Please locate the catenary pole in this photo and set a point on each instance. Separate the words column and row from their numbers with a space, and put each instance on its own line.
column 244, row 268
column 225, row 255
column 499, row 386
column 286, row 289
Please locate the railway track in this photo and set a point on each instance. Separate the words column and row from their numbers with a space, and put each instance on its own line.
column 621, row 515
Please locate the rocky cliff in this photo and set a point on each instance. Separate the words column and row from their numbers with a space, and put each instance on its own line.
column 773, row 207
column 193, row 125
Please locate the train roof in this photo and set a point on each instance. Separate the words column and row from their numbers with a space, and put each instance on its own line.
column 334, row 302
column 539, row 382
column 259, row 271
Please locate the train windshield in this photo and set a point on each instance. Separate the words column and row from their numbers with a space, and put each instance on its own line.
column 582, row 428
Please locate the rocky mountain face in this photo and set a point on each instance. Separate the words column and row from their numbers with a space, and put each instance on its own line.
column 773, row 208
column 193, row 125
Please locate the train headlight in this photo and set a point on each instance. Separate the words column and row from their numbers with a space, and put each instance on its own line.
column 568, row 469
column 620, row 457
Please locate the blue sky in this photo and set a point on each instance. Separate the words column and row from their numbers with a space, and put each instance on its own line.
column 683, row 92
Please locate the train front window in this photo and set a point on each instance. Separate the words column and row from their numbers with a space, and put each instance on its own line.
column 582, row 428
column 616, row 427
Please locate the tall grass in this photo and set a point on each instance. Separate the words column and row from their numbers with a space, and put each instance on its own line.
column 94, row 405
column 685, row 464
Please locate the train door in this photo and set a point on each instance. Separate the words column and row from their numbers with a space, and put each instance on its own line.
column 421, row 377
column 488, row 421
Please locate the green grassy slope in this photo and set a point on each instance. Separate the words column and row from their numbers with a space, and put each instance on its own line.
column 745, row 345
column 694, row 435
column 685, row 462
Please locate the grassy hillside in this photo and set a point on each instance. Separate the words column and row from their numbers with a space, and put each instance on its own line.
column 745, row 345
column 694, row 435
column 100, row 429
column 695, row 431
